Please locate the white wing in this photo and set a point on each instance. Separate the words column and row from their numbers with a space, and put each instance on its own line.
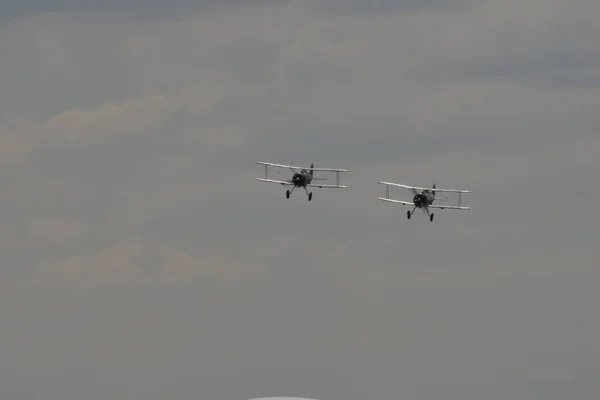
column 421, row 188
column 406, row 203
column 325, row 169
column 327, row 186
column 298, row 167
column 450, row 190
column 402, row 186
column 288, row 183
column 273, row 181
column 449, row 207
column 277, row 165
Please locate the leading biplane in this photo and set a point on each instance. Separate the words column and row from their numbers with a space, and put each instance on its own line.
column 424, row 199
column 303, row 177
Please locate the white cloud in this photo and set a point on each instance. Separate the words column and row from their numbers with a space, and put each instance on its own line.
column 192, row 101
column 142, row 264
column 137, row 115
column 221, row 90
column 128, row 151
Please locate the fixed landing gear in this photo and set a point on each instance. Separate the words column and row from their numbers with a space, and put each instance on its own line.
column 289, row 192
column 308, row 194
column 410, row 213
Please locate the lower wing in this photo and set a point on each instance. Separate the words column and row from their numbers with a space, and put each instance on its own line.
column 406, row 203
column 449, row 207
column 274, row 181
column 327, row 186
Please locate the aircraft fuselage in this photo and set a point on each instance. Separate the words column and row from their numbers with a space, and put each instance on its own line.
column 423, row 199
column 301, row 179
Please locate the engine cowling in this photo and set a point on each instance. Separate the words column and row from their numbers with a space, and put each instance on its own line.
column 298, row 180
column 418, row 200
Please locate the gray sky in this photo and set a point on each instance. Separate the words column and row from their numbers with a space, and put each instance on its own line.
column 139, row 259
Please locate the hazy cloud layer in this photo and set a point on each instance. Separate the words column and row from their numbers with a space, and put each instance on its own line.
column 123, row 9
column 141, row 260
column 384, row 6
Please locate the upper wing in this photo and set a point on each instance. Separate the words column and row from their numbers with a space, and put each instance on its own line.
column 273, row 181
column 298, row 167
column 402, row 186
column 406, row 203
column 276, row 165
column 420, row 188
column 325, row 169
column 450, row 190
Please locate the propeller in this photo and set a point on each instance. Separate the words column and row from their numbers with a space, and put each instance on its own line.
column 415, row 192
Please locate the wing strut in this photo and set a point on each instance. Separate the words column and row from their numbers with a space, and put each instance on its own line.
column 266, row 171
column 459, row 199
column 337, row 178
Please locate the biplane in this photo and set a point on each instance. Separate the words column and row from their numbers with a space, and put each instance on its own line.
column 303, row 177
column 424, row 199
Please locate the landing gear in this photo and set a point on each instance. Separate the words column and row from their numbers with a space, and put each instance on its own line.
column 289, row 192
column 408, row 214
column 431, row 217
column 308, row 194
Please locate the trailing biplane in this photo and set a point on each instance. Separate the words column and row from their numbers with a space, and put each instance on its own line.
column 424, row 199
column 303, row 177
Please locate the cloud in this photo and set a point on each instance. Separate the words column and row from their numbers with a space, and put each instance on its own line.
column 191, row 118
column 142, row 263
column 389, row 6
column 54, row 230
column 139, row 255
column 187, row 106
column 13, row 147
column 121, row 9
column 137, row 115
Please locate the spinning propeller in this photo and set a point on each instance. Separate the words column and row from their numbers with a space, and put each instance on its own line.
column 416, row 193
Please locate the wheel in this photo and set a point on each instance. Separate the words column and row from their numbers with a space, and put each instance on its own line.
column 287, row 194
column 310, row 196
column 408, row 214
column 431, row 217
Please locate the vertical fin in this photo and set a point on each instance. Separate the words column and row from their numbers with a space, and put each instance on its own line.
column 311, row 169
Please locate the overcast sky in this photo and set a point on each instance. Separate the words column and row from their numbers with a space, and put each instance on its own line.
column 140, row 260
